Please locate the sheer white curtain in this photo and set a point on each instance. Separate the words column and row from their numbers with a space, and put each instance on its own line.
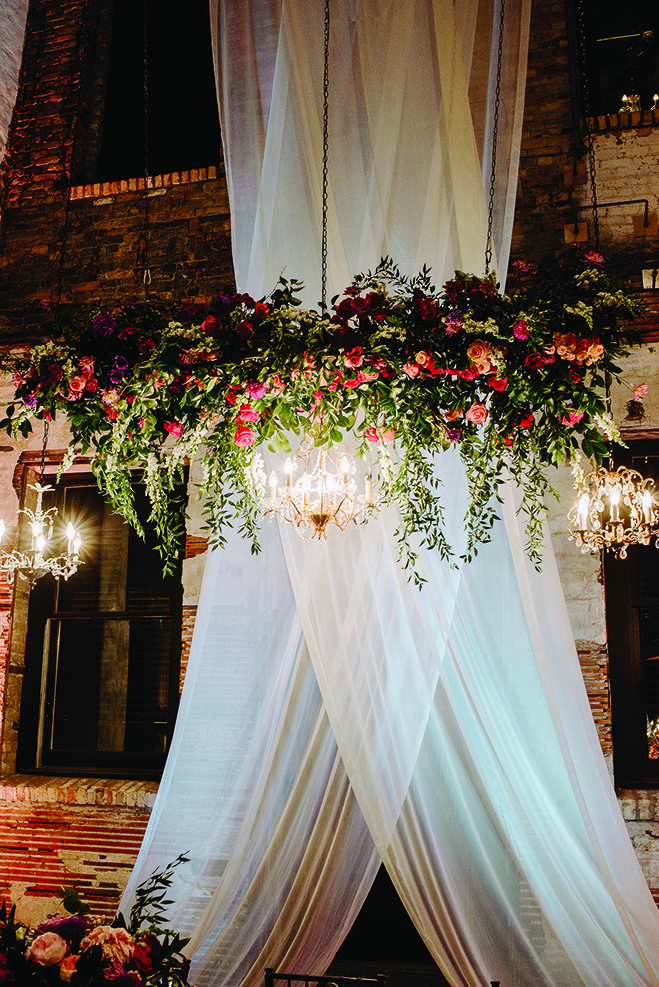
column 12, row 29
column 459, row 715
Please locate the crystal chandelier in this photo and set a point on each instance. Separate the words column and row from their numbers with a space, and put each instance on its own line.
column 34, row 564
column 325, row 493
column 613, row 510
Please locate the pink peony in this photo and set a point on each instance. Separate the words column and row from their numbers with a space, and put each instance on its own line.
column 477, row 414
column 244, row 436
column 640, row 391
column 256, row 389
column 48, row 949
column 117, row 944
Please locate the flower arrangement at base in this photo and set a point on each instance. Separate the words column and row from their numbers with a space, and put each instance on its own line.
column 514, row 381
column 73, row 949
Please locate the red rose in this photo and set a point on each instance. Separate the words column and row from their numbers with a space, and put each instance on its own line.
column 527, row 421
column 245, row 330
column 210, row 324
column 534, row 360
column 497, row 383
column 353, row 357
column 232, row 393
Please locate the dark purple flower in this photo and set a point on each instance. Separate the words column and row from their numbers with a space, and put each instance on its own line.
column 120, row 362
column 126, row 980
column 117, row 376
column 30, row 401
column 69, row 927
column 453, row 434
column 103, row 325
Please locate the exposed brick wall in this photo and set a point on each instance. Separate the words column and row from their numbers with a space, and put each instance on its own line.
column 94, row 235
column 187, row 628
column 594, row 662
column 56, row 832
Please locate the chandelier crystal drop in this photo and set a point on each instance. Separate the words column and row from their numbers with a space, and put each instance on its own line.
column 613, row 510
column 325, row 493
column 34, row 564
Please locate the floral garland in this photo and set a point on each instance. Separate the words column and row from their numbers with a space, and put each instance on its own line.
column 86, row 953
column 515, row 381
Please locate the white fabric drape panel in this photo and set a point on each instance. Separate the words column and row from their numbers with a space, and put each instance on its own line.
column 404, row 162
column 463, row 722
column 253, row 790
column 13, row 14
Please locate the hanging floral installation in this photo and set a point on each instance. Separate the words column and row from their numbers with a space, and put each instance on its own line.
column 515, row 381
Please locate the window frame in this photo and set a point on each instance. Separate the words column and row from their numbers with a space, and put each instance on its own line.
column 31, row 755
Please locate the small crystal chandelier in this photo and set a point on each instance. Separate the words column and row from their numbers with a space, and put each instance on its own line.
column 613, row 510
column 34, row 564
column 324, row 494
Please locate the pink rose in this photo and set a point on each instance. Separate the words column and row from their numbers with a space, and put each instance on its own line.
column 353, row 357
column 247, row 414
column 77, row 384
column 411, row 369
column 244, row 436
column 174, row 428
column 354, row 381
column 371, row 434
column 117, row 944
column 388, row 435
column 48, row 949
column 477, row 414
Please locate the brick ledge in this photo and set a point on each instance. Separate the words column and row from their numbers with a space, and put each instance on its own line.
column 139, row 184
column 44, row 789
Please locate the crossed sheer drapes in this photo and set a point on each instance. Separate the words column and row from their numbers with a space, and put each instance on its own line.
column 332, row 715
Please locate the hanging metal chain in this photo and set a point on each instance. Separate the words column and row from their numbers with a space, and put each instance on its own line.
column 42, row 466
column 585, row 88
column 495, row 138
column 323, row 265
column 146, row 234
column 82, row 67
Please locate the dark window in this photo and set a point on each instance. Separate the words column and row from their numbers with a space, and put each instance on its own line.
column 622, row 53
column 183, row 120
column 632, row 617
column 102, row 651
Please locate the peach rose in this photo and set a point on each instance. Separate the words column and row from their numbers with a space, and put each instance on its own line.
column 477, row 414
column 68, row 967
column 48, row 949
column 479, row 354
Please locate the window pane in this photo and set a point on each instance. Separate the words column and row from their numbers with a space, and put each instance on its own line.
column 108, row 685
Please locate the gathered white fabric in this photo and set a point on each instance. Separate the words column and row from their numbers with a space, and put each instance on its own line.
column 13, row 14
column 332, row 714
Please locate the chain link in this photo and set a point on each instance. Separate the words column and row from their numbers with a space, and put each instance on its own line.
column 585, row 89
column 42, row 466
column 323, row 265
column 146, row 234
column 495, row 138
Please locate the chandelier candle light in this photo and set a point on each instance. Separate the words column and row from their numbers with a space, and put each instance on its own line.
column 323, row 495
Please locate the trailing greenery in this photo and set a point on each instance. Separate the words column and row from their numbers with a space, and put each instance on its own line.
column 515, row 381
